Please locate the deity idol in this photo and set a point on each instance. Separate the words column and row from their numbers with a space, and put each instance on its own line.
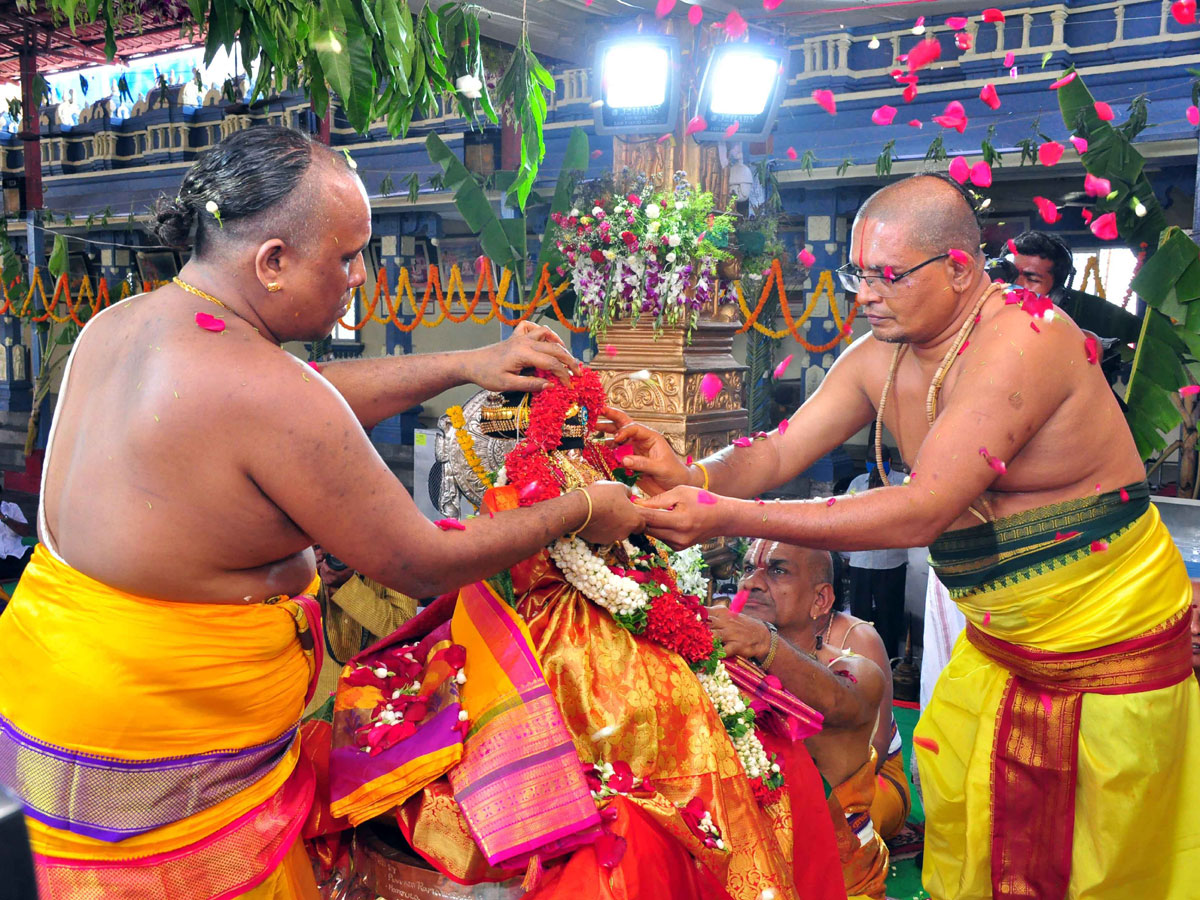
column 572, row 719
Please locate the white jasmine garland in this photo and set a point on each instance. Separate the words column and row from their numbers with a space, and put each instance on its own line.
column 588, row 574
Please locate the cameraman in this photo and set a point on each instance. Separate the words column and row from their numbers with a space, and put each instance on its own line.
column 1044, row 264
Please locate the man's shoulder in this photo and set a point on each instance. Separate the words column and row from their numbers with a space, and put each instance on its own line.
column 860, row 671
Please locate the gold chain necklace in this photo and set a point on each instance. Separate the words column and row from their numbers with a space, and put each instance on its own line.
column 935, row 389
column 192, row 289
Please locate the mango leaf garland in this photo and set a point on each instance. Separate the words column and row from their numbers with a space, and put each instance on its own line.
column 526, row 82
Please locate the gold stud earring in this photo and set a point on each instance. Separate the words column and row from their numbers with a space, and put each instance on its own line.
column 274, row 286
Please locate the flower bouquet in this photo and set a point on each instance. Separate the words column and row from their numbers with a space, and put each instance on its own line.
column 634, row 249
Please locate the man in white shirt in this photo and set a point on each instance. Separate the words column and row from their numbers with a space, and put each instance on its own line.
column 877, row 576
column 13, row 553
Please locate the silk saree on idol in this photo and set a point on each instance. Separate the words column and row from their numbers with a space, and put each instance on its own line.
column 520, row 727
column 155, row 744
column 1058, row 755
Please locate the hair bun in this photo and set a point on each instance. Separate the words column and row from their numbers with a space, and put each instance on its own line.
column 173, row 223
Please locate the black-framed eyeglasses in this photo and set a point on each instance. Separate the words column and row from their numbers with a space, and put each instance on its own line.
column 852, row 277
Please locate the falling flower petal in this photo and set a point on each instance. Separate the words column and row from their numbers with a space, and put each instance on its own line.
column 824, row 99
column 771, row 5
column 664, row 138
column 663, row 8
column 610, row 350
column 1124, row 495
column 994, row 462
column 910, row 93
column 989, row 96
column 962, row 41
column 1080, row 144
column 915, row 123
column 689, row 460
column 450, row 525
column 695, row 14
column 783, row 366
column 1012, row 246
column 926, row 744
column 735, row 25
column 738, row 603
column 1066, row 535
column 981, row 174
column 884, row 115
column 1091, row 349
column 987, row 620
column 806, row 259
column 889, row 273
column 1103, row 110
column 954, row 117
column 960, row 171
column 706, row 498
column 959, row 256
column 710, row 387
column 791, row 153
column 1099, row 546
column 1105, row 227
column 925, row 52
column 1065, row 80
column 742, row 442
column 596, row 154
column 1009, row 59
column 731, row 130
column 1086, row 215
column 1193, row 115
column 642, row 375
column 831, row 501
column 696, row 123
column 991, row 14
column 209, row 323
column 1184, row 11
column 783, row 427
column 1050, row 153
column 1048, row 211
column 956, row 23
column 1096, row 187
column 1033, row 325
column 1046, row 702
column 1189, row 390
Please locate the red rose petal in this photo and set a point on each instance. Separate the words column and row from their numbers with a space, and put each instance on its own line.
column 1065, row 80
column 806, row 258
column 732, row 129
column 989, row 96
column 771, row 5
column 915, row 123
column 783, row 426
column 1066, row 535
column 1099, row 546
column 1096, row 187
column 791, row 151
column 596, row 154
column 1046, row 703
column 1103, row 110
column 210, row 323
column 956, row 23
column 963, row 348
column 831, row 501
column 695, row 14
column 959, row 256
column 981, row 174
column 663, row 8
column 1105, row 227
column 962, row 41
column 991, row 14
column 1048, row 211
column 735, row 25
column 824, row 99
column 1189, row 390
column 926, row 744
column 738, row 603
column 1124, row 495
column 663, row 139
column 1184, row 11
column 1080, row 144
column 910, row 93
column 610, row 350
column 710, row 387
column 987, row 619
column 925, row 52
column 1193, row 115
column 1050, row 153
column 960, row 171
column 742, row 442
column 783, row 366
column 1009, row 59
column 316, row 368
column 450, row 525
column 1086, row 215
column 695, row 123
column 884, row 115
column 610, row 849
column 1091, row 349
column 1012, row 246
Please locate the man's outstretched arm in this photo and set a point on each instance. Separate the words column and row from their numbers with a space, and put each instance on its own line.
column 377, row 389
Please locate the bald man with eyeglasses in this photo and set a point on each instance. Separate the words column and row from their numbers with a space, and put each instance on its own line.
column 1055, row 754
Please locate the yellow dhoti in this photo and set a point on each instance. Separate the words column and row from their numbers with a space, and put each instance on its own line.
column 154, row 744
column 1058, row 753
column 893, row 796
column 863, row 854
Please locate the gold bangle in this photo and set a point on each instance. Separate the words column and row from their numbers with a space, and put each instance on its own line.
column 588, row 498
column 703, row 468
column 770, row 657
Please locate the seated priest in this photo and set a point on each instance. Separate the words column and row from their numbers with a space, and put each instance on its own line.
column 790, row 626
column 570, row 722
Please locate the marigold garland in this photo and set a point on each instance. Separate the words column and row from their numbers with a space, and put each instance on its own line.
column 467, row 444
